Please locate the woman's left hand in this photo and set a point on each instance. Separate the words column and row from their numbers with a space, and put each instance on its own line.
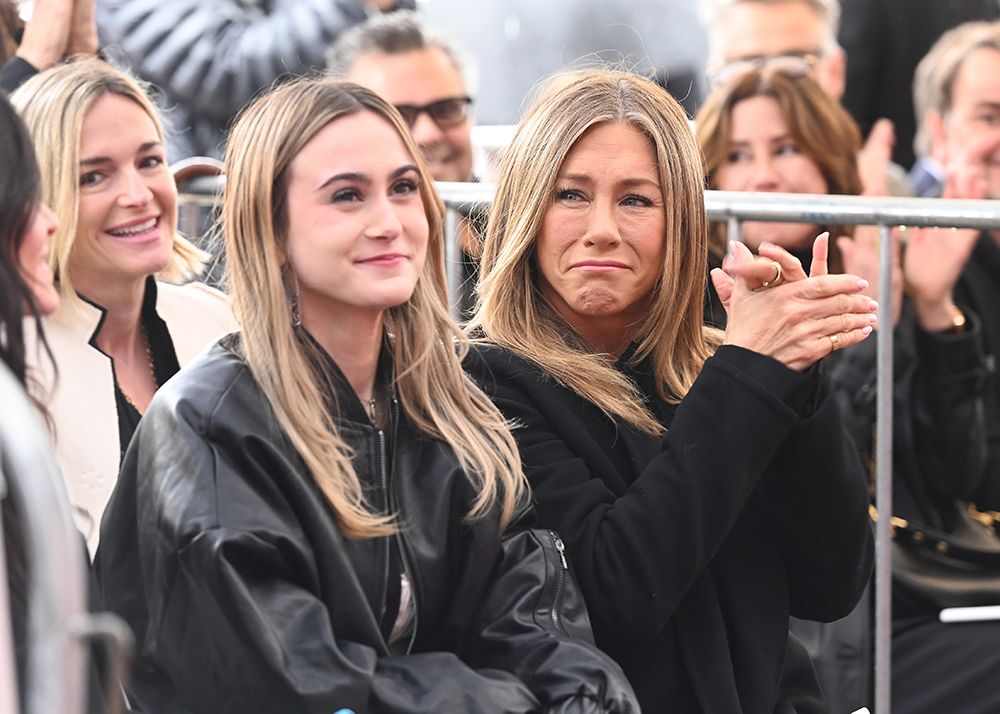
column 794, row 318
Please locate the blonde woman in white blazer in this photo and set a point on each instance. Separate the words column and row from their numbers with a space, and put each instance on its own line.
column 122, row 328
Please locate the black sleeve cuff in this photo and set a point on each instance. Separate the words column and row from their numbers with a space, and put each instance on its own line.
column 799, row 391
column 16, row 72
column 953, row 355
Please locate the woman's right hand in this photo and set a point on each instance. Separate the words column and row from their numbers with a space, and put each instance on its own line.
column 46, row 33
column 861, row 257
column 799, row 321
column 83, row 31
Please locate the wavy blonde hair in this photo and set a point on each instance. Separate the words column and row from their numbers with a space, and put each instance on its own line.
column 427, row 347
column 54, row 105
column 511, row 310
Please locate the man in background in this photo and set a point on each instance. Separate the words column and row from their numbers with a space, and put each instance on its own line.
column 753, row 32
column 885, row 39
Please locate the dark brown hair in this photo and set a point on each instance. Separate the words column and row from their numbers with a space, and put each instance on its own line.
column 823, row 130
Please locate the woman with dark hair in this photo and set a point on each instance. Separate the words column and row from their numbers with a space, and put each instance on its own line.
column 772, row 128
column 776, row 129
column 26, row 226
column 25, row 231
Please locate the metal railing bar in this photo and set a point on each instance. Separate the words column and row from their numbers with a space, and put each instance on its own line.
column 803, row 208
column 883, row 481
column 453, row 262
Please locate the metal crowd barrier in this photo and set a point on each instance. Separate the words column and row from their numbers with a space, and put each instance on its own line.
column 58, row 624
column 734, row 207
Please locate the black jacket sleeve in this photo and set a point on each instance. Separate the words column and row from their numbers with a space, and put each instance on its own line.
column 939, row 428
column 16, row 72
column 663, row 531
column 534, row 623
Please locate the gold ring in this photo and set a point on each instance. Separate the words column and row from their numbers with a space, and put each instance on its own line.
column 776, row 280
column 834, row 342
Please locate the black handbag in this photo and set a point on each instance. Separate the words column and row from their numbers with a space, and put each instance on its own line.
column 960, row 568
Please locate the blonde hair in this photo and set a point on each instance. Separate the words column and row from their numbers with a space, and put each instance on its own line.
column 54, row 105
column 511, row 310
column 426, row 345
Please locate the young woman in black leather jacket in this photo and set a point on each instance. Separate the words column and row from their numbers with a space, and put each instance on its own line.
column 320, row 512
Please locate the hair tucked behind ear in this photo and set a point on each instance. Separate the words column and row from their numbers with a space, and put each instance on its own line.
column 426, row 345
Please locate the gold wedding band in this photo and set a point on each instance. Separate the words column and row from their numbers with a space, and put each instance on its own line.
column 834, row 342
column 776, row 280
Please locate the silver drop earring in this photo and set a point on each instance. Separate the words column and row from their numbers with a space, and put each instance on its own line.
column 293, row 298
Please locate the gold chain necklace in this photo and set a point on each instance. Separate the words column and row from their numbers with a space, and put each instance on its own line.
column 152, row 369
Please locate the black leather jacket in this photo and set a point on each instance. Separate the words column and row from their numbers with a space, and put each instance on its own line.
column 220, row 551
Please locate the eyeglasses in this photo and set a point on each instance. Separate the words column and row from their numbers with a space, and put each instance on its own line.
column 446, row 113
column 793, row 64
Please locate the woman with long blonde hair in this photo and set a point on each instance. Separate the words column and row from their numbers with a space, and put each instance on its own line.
column 315, row 507
column 123, row 327
column 701, row 480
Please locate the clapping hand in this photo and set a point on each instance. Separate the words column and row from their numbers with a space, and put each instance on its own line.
column 861, row 257
column 57, row 29
column 935, row 257
column 775, row 309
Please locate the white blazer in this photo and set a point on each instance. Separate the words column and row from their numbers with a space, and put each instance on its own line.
column 81, row 398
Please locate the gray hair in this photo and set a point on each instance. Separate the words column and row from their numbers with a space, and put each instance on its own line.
column 713, row 12
column 934, row 79
column 397, row 33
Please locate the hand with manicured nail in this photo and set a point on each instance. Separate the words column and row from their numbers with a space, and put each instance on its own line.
column 799, row 321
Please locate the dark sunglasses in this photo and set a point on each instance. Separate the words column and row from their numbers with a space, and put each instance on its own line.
column 793, row 64
column 446, row 113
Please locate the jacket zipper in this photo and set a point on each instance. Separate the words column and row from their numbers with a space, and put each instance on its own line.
column 385, row 501
column 403, row 555
column 560, row 578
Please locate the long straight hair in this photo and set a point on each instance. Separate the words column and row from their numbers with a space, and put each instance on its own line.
column 511, row 310
column 19, row 200
column 54, row 105
column 426, row 345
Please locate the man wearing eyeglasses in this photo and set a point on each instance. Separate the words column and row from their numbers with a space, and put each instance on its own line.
column 800, row 35
column 418, row 70
column 743, row 32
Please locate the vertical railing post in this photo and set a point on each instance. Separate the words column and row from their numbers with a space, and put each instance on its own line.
column 453, row 261
column 733, row 229
column 883, row 480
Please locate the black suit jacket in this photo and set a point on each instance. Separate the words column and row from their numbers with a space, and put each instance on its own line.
column 692, row 548
column 884, row 41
